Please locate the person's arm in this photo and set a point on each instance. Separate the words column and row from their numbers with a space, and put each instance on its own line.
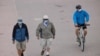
column 53, row 30
column 27, row 33
column 13, row 34
column 75, row 19
column 38, row 31
column 87, row 16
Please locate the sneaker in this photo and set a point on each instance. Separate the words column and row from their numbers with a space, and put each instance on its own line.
column 42, row 52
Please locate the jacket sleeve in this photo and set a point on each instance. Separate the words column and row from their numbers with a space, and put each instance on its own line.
column 13, row 33
column 75, row 18
column 27, row 33
column 87, row 16
column 38, row 30
column 53, row 29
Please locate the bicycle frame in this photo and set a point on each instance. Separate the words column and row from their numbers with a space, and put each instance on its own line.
column 82, row 38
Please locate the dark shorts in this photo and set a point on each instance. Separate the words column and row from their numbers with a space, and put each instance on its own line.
column 82, row 25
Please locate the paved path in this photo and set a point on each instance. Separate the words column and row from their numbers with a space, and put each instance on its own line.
column 60, row 13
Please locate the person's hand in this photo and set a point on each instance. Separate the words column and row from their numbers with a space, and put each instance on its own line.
column 13, row 42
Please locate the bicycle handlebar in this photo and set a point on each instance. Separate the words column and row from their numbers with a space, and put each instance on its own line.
column 85, row 24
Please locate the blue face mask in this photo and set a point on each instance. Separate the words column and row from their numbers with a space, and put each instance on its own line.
column 46, row 22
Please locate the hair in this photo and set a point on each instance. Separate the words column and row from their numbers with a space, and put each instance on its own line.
column 78, row 7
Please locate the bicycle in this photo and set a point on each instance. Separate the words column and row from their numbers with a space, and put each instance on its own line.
column 82, row 38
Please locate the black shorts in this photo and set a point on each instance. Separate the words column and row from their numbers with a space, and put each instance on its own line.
column 82, row 25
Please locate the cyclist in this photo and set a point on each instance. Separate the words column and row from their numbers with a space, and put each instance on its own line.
column 80, row 18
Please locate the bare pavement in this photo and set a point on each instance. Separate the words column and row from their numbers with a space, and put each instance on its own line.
column 60, row 13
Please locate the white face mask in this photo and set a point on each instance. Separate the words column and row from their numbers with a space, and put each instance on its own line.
column 80, row 10
column 20, row 23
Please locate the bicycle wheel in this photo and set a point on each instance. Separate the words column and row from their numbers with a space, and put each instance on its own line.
column 83, row 48
column 83, row 43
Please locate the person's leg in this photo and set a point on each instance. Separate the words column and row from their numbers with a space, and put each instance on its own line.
column 22, row 52
column 18, row 46
column 19, row 52
column 43, row 44
column 49, row 42
column 23, row 47
column 43, row 50
column 85, row 32
column 77, row 33
column 48, row 51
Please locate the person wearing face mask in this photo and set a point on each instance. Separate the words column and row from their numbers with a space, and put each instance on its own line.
column 80, row 18
column 46, row 33
column 20, row 35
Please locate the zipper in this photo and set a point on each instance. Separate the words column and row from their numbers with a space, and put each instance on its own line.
column 21, row 33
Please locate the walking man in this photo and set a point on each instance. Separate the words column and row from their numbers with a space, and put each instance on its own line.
column 20, row 36
column 46, row 33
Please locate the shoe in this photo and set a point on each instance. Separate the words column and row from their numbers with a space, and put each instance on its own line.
column 22, row 54
column 42, row 52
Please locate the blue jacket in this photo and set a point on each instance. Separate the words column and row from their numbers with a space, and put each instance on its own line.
column 20, row 34
column 80, row 17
